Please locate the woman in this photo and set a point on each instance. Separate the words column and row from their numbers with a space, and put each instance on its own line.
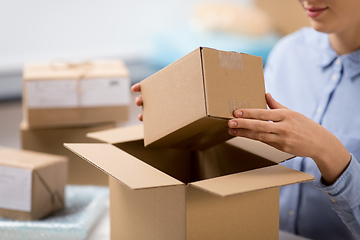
column 317, row 75
column 315, row 72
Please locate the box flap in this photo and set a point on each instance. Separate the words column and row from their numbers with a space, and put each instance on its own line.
column 127, row 169
column 65, row 70
column 262, row 178
column 119, row 135
column 260, row 149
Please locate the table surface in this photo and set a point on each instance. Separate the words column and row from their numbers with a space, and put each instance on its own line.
column 102, row 231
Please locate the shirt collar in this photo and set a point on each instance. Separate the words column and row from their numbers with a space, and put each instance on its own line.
column 351, row 61
column 327, row 54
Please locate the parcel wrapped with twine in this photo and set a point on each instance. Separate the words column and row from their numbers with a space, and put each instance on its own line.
column 61, row 93
column 32, row 184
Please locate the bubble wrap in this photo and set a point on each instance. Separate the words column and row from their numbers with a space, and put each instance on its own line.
column 84, row 206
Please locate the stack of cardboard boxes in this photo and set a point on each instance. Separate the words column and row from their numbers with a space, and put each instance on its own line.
column 62, row 102
column 180, row 175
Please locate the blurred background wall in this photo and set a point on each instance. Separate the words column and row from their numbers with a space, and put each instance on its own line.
column 146, row 34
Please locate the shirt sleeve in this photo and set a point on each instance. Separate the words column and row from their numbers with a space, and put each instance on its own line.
column 344, row 195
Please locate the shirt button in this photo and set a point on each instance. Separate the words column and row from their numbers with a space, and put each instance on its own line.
column 334, row 77
column 291, row 213
column 338, row 62
column 319, row 109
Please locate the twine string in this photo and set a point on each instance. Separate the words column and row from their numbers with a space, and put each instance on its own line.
column 82, row 68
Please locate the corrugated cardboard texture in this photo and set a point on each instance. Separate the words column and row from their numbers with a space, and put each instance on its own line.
column 131, row 171
column 253, row 216
column 256, row 179
column 119, row 135
column 260, row 149
column 162, row 159
column 172, row 96
column 187, row 104
column 68, row 117
column 147, row 204
column 224, row 159
column 232, row 80
column 75, row 116
column 198, row 135
column 67, row 70
column 151, row 214
column 51, row 141
column 287, row 16
column 48, row 181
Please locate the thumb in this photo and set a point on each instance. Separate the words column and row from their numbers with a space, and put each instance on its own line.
column 272, row 103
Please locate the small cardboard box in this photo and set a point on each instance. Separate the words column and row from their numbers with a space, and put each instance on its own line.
column 187, row 104
column 64, row 94
column 51, row 140
column 32, row 184
column 229, row 191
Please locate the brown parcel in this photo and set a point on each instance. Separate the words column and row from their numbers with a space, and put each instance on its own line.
column 188, row 103
column 64, row 94
column 51, row 140
column 223, row 192
column 35, row 179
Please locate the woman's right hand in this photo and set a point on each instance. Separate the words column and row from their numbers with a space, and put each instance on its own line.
column 138, row 101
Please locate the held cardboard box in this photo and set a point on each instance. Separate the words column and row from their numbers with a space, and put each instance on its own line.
column 229, row 191
column 187, row 104
column 64, row 94
column 51, row 140
column 32, row 184
column 287, row 16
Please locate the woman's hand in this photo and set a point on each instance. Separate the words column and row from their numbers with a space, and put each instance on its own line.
column 138, row 101
column 294, row 133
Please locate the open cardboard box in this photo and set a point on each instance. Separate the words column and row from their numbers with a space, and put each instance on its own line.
column 58, row 94
column 229, row 191
column 32, row 184
column 187, row 104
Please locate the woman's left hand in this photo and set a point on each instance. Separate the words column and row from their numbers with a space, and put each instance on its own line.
column 292, row 132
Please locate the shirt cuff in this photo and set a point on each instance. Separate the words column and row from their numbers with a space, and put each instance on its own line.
column 345, row 192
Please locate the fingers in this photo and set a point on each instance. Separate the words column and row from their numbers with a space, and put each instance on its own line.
column 272, row 103
column 140, row 117
column 136, row 87
column 265, row 137
column 253, row 125
column 139, row 101
column 260, row 114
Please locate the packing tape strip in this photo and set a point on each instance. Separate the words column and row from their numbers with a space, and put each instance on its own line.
column 231, row 60
column 234, row 105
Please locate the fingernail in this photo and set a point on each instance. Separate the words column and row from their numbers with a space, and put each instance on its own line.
column 232, row 124
column 232, row 131
column 238, row 113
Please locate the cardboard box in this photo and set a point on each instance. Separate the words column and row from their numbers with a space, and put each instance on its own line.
column 32, row 184
column 187, row 104
column 51, row 141
column 287, row 16
column 64, row 94
column 229, row 191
